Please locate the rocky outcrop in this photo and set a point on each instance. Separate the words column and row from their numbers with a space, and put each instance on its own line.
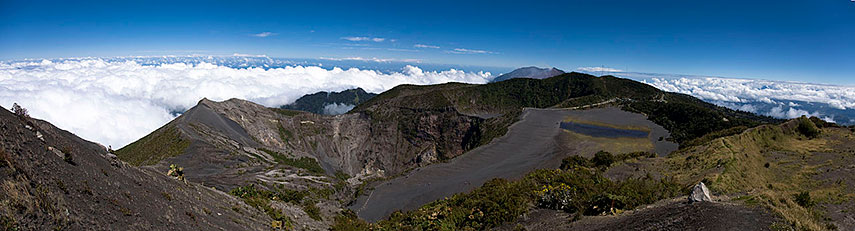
column 699, row 193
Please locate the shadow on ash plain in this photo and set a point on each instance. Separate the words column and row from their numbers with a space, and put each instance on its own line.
column 531, row 143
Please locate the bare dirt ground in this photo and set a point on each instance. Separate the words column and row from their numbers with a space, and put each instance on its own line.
column 672, row 214
column 837, row 170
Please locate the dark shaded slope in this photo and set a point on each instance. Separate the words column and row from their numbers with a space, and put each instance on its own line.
column 52, row 179
column 316, row 103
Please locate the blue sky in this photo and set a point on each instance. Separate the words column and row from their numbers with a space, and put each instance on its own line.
column 810, row 41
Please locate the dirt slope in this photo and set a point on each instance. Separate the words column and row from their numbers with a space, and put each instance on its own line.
column 52, row 179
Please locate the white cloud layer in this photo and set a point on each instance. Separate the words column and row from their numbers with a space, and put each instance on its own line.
column 372, row 59
column 337, row 109
column 425, row 46
column 115, row 103
column 360, row 39
column 469, row 51
column 598, row 69
column 264, row 34
column 754, row 90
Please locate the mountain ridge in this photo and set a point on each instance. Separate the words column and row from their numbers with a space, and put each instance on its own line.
column 529, row 72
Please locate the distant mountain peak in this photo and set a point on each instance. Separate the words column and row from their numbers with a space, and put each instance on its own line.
column 529, row 72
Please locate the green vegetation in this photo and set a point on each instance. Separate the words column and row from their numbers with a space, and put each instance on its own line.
column 7, row 223
column 306, row 163
column 285, row 112
column 260, row 199
column 803, row 199
column 341, row 176
column 603, row 159
column 316, row 102
column 284, row 134
column 176, row 172
column 163, row 143
column 688, row 118
column 312, row 210
column 771, row 163
column 576, row 188
column 807, row 127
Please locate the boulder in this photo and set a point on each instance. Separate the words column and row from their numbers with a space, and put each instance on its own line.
column 699, row 193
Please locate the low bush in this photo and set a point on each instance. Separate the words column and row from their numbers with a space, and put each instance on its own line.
column 603, row 159
column 808, row 128
column 803, row 199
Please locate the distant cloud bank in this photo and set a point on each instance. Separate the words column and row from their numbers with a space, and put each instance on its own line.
column 598, row 69
column 115, row 103
column 748, row 90
column 773, row 98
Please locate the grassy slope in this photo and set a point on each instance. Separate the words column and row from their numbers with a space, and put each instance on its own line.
column 768, row 164
column 163, row 143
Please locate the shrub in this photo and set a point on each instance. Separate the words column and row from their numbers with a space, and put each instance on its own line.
column 574, row 161
column 66, row 152
column 603, row 159
column 807, row 128
column 803, row 199
column 347, row 221
column 19, row 111
column 177, row 172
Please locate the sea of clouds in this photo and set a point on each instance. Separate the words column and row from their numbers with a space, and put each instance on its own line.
column 778, row 99
column 117, row 102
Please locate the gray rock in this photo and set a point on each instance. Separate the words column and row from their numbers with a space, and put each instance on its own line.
column 699, row 193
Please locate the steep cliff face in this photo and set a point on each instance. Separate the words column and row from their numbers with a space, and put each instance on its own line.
column 231, row 143
column 52, row 179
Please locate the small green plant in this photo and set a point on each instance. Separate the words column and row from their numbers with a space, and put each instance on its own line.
column 66, row 155
column 803, row 199
column 176, row 172
column 312, row 210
